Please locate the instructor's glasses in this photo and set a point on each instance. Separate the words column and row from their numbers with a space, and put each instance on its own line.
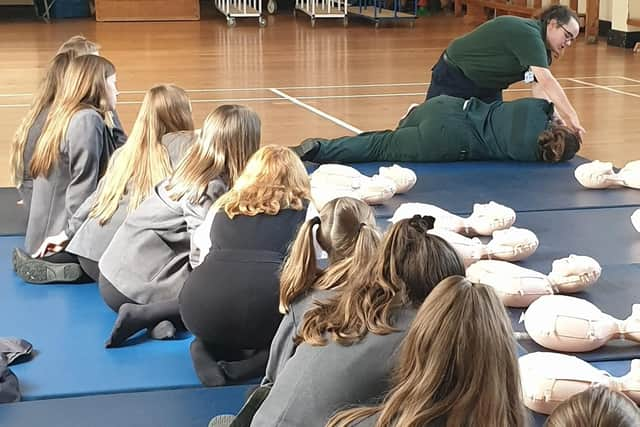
column 567, row 34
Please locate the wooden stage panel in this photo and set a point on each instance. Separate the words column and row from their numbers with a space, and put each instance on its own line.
column 147, row 10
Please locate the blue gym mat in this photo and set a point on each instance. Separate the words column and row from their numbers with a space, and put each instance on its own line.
column 521, row 186
column 167, row 408
column 13, row 217
column 604, row 234
column 614, row 293
column 67, row 325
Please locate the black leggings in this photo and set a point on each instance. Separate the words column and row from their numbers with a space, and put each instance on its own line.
column 232, row 302
column 111, row 296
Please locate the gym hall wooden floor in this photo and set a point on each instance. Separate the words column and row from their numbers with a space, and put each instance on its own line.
column 326, row 81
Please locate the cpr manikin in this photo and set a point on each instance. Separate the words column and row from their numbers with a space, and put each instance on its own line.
column 332, row 180
column 518, row 286
column 635, row 219
column 548, row 379
column 599, row 174
column 569, row 324
column 512, row 244
column 484, row 220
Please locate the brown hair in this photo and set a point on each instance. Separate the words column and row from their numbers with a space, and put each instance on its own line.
column 457, row 365
column 79, row 45
column 561, row 13
column 84, row 86
column 595, row 407
column 143, row 161
column 409, row 264
column 347, row 232
column 46, row 93
column 558, row 144
column 229, row 136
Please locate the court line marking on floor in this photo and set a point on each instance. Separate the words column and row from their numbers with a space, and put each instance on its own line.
column 589, row 86
column 607, row 88
column 627, row 78
column 133, row 92
column 316, row 111
column 585, row 85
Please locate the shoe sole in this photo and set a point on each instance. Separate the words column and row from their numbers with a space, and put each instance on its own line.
column 40, row 271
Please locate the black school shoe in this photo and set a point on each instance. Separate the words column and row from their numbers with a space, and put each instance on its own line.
column 36, row 270
column 308, row 149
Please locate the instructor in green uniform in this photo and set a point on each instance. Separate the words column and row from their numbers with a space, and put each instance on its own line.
column 506, row 50
column 447, row 129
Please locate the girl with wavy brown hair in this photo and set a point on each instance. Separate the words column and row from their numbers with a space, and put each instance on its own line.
column 348, row 341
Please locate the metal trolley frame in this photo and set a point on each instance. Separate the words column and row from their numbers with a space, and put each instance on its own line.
column 233, row 9
column 373, row 10
column 323, row 9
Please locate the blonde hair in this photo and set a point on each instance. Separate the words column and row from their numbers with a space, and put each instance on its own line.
column 84, row 86
column 408, row 265
column 46, row 93
column 274, row 179
column 457, row 365
column 143, row 161
column 80, row 45
column 347, row 232
column 229, row 136
column 595, row 407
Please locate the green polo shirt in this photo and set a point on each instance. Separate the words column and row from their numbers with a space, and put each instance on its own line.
column 500, row 51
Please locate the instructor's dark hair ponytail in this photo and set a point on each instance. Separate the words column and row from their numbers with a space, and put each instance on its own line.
column 562, row 14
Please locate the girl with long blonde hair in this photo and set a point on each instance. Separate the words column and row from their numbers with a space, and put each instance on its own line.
column 72, row 152
column 457, row 366
column 147, row 261
column 348, row 342
column 159, row 138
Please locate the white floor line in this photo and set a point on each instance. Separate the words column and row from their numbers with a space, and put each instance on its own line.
column 635, row 95
column 133, row 92
column 316, row 111
column 627, row 78
column 585, row 85
column 320, row 97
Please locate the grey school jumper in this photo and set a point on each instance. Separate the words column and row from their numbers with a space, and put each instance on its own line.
column 89, row 239
column 282, row 345
column 148, row 257
column 26, row 188
column 84, row 154
column 319, row 381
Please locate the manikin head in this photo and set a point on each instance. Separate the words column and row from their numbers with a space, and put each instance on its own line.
column 573, row 265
